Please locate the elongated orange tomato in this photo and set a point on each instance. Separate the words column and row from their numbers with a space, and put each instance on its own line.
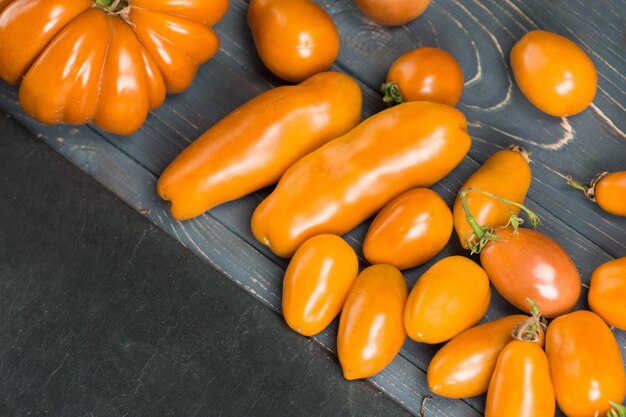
column 371, row 332
column 294, row 38
column 336, row 187
column 607, row 292
column 463, row 366
column 450, row 297
column 409, row 230
column 316, row 283
column 586, row 364
column 102, row 61
column 521, row 385
column 392, row 12
column 254, row 145
column 507, row 174
column 608, row 190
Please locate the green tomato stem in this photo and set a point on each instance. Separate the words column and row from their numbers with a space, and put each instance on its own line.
column 530, row 330
column 391, row 93
column 618, row 410
column 112, row 6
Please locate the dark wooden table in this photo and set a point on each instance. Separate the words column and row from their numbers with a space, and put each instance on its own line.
column 480, row 33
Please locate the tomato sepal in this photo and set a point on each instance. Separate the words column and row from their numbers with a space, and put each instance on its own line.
column 391, row 93
column 618, row 410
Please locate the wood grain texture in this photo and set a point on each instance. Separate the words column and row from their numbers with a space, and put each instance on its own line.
column 480, row 34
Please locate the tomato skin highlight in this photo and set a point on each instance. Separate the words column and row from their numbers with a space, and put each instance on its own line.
column 554, row 73
column 586, row 364
column 341, row 184
column 371, row 331
column 316, row 283
column 607, row 292
column 521, row 385
column 255, row 144
column 450, row 297
column 410, row 230
column 532, row 265
column 392, row 12
column 507, row 174
column 463, row 366
column 294, row 38
column 428, row 74
column 610, row 193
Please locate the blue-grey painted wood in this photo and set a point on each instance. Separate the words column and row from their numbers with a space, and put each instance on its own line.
column 480, row 34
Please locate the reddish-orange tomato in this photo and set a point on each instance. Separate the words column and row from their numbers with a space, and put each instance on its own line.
column 294, row 38
column 463, row 367
column 256, row 143
column 607, row 292
column 586, row 364
column 554, row 73
column 371, row 332
column 521, row 385
column 392, row 12
column 506, row 174
column 450, row 297
column 608, row 190
column 104, row 62
column 316, row 283
column 410, row 230
column 425, row 74
column 529, row 264
column 341, row 184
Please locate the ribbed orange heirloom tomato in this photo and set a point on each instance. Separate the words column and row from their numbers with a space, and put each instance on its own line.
column 410, row 230
column 608, row 190
column 341, row 184
column 316, row 283
column 463, row 367
column 253, row 146
column 392, row 12
column 586, row 364
column 450, row 297
column 554, row 73
column 607, row 292
column 371, row 332
column 506, row 174
column 294, row 38
column 424, row 74
column 104, row 61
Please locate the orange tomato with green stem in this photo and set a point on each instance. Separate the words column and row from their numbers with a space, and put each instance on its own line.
column 608, row 190
column 607, row 292
column 104, row 61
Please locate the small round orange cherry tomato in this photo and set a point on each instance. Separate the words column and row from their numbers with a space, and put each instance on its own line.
column 608, row 190
column 463, row 367
column 521, row 385
column 586, row 364
column 425, row 74
column 554, row 73
column 392, row 12
column 316, row 283
column 294, row 38
column 450, row 297
column 409, row 230
column 371, row 332
column 507, row 174
column 529, row 264
column 607, row 292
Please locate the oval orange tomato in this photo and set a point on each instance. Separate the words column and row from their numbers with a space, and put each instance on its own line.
column 521, row 385
column 425, row 74
column 607, row 292
column 450, row 297
column 255, row 144
column 608, row 190
column 316, row 283
column 586, row 364
column 294, row 38
column 506, row 174
column 371, row 332
column 409, row 230
column 392, row 12
column 81, row 61
column 554, row 73
column 529, row 264
column 463, row 366
column 341, row 184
